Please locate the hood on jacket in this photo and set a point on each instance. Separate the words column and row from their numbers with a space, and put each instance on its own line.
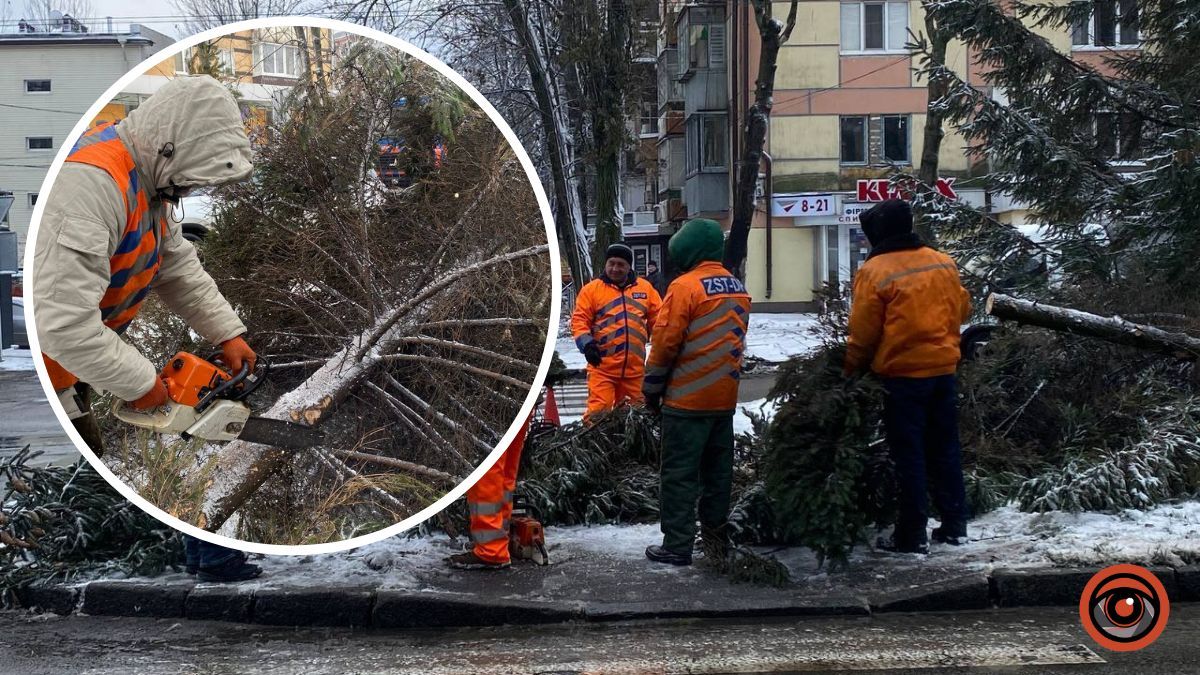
column 699, row 239
column 188, row 134
column 889, row 227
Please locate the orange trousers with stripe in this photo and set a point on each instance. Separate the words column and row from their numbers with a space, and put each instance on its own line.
column 606, row 392
column 491, row 503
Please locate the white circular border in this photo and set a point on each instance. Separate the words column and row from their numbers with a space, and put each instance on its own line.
column 551, row 329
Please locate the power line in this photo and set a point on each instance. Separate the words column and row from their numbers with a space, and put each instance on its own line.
column 51, row 110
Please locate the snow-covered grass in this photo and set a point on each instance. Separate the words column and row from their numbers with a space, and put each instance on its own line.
column 741, row 421
column 17, row 359
column 771, row 337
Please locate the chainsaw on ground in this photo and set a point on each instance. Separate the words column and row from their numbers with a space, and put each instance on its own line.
column 526, row 538
column 206, row 401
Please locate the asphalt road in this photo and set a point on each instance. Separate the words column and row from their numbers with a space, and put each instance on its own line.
column 27, row 419
column 1041, row 641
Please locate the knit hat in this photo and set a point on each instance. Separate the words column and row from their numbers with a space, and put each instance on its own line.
column 619, row 251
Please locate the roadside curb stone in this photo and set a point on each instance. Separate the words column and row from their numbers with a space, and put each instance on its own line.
column 849, row 605
column 318, row 606
column 1187, row 582
column 960, row 593
column 135, row 598
column 219, row 602
column 415, row 609
column 58, row 599
column 1040, row 587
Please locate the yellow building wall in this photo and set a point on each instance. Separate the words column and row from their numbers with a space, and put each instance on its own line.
column 807, row 67
column 792, row 269
column 113, row 112
column 817, row 23
column 788, row 167
column 952, row 155
column 805, row 136
column 1059, row 37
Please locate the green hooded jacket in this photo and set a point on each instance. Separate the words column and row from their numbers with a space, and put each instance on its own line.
column 698, row 240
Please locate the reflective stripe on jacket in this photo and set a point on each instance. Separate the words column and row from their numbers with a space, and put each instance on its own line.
column 619, row 321
column 908, row 307
column 699, row 340
column 136, row 261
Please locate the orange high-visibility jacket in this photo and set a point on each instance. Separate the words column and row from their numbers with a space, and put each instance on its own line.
column 699, row 340
column 619, row 320
column 906, row 314
column 138, row 256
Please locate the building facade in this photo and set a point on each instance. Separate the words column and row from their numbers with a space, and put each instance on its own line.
column 849, row 111
column 49, row 80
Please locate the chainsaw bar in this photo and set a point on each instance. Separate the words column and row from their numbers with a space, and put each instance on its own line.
column 280, row 434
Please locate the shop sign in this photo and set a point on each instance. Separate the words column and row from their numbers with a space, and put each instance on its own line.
column 880, row 189
column 802, row 206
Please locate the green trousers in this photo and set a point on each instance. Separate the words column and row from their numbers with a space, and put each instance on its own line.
column 697, row 464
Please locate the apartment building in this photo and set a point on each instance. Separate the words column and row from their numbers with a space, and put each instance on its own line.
column 49, row 78
column 849, row 111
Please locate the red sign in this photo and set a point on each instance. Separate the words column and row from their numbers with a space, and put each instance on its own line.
column 880, row 189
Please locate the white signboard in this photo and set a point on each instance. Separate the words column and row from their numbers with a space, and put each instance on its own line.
column 802, row 206
column 851, row 212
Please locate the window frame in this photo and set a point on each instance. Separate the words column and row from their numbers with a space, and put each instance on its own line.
column 49, row 82
column 260, row 61
column 31, row 199
column 225, row 60
column 696, row 159
column 1091, row 32
column 862, row 27
column 28, row 140
column 1119, row 136
column 182, row 67
column 907, row 161
column 866, row 140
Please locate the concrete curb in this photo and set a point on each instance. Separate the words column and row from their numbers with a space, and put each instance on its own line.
column 391, row 608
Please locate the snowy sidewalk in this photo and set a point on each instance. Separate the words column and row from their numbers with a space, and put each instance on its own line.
column 599, row 573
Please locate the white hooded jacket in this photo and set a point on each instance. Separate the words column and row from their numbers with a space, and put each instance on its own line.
column 197, row 121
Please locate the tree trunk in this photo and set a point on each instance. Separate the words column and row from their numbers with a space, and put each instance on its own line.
column 568, row 217
column 608, row 90
column 1112, row 329
column 241, row 468
column 773, row 34
column 934, row 119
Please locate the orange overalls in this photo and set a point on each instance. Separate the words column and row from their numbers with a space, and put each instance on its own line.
column 619, row 320
column 491, row 502
column 138, row 256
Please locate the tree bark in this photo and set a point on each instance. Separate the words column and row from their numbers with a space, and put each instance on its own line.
column 608, row 81
column 241, row 468
column 568, row 216
column 773, row 34
column 934, row 119
column 1112, row 329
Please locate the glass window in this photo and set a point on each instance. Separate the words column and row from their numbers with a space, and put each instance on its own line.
column 854, row 140
column 1128, row 20
column 895, row 138
column 225, row 58
column 39, row 143
column 708, row 143
column 698, row 46
column 37, row 86
column 1113, row 22
column 1106, row 22
column 33, row 199
column 874, row 26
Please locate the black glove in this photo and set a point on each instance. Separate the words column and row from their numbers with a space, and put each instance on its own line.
column 654, row 403
column 591, row 352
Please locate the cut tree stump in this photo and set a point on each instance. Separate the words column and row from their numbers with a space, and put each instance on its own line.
column 1112, row 329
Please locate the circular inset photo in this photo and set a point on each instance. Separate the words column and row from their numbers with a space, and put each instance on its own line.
column 292, row 285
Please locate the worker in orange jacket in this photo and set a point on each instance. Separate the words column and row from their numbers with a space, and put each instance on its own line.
column 491, row 504
column 692, row 376
column 908, row 307
column 611, row 325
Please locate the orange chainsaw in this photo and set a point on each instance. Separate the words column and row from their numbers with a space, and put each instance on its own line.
column 526, row 538
column 204, row 400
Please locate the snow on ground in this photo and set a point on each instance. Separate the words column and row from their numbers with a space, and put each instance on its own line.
column 741, row 421
column 771, row 337
column 16, row 359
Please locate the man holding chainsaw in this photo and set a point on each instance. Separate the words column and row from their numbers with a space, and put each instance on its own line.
column 106, row 240
column 611, row 326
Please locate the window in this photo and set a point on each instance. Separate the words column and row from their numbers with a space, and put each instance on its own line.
column 1112, row 23
column 708, row 143
column 181, row 61
column 895, row 139
column 37, row 86
column 276, row 59
column 874, row 26
column 648, row 122
column 1118, row 136
column 854, row 140
column 225, row 60
column 33, row 199
column 702, row 40
column 39, row 143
